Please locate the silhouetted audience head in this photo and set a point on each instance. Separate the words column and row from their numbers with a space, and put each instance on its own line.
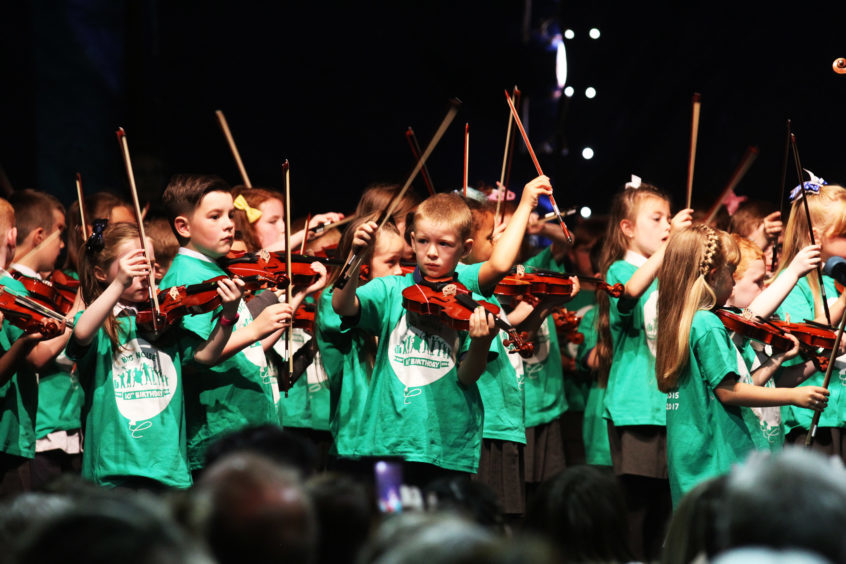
column 250, row 508
column 107, row 527
column 693, row 529
column 270, row 441
column 346, row 516
column 795, row 499
column 583, row 513
column 470, row 499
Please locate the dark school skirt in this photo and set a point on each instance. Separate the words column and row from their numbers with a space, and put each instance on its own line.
column 501, row 468
column 639, row 450
column 544, row 454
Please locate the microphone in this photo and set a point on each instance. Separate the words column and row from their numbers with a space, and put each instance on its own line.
column 836, row 268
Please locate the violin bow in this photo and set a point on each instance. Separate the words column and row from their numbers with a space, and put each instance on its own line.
column 739, row 173
column 327, row 226
column 783, row 186
column 812, row 430
column 151, row 276
column 289, row 334
column 810, row 225
column 355, row 259
column 694, row 136
column 221, row 119
column 519, row 123
column 81, row 201
column 52, row 236
column 506, row 156
column 305, row 237
column 466, row 155
column 415, row 150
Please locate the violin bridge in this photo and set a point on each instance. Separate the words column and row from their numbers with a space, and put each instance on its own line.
column 173, row 293
column 264, row 255
column 449, row 290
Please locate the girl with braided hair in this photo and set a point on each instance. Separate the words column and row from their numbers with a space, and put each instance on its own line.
column 709, row 425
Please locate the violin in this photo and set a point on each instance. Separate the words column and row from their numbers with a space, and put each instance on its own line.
column 531, row 286
column 304, row 317
column 31, row 316
column 66, row 290
column 767, row 333
column 452, row 304
column 38, row 290
column 567, row 326
column 262, row 269
column 178, row 301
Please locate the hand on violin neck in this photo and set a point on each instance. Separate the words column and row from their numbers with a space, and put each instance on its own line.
column 230, row 290
column 482, row 326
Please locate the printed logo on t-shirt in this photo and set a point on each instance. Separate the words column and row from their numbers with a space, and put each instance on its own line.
column 144, row 381
column 419, row 358
column 769, row 418
column 254, row 352
column 534, row 364
column 650, row 321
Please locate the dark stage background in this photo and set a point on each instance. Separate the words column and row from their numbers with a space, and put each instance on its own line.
column 332, row 86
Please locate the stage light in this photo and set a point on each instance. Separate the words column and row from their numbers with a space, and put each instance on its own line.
column 594, row 33
column 569, row 91
column 568, row 34
column 585, row 212
column 590, row 92
column 587, row 153
column 561, row 65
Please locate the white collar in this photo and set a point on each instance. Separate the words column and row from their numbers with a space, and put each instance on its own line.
column 190, row 253
column 25, row 270
column 124, row 309
column 634, row 258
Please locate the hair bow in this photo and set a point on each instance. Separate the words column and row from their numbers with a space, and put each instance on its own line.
column 253, row 214
column 812, row 185
column 635, row 182
column 95, row 243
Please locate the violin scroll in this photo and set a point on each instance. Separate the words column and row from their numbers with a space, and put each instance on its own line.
column 839, row 65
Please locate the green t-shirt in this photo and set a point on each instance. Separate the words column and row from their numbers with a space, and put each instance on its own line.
column 235, row 393
column 594, row 426
column 769, row 418
column 18, row 396
column 60, row 398
column 345, row 360
column 799, row 303
column 705, row 437
column 416, row 407
column 632, row 396
column 544, row 376
column 307, row 404
column 134, row 410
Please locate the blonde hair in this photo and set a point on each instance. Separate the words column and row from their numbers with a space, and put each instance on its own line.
column 691, row 257
column 749, row 253
column 828, row 216
column 7, row 217
column 447, row 209
column 625, row 205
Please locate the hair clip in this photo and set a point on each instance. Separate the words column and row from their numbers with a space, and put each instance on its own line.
column 635, row 182
column 253, row 214
column 95, row 243
column 812, row 185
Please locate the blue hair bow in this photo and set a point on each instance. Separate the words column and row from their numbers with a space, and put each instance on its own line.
column 95, row 243
column 812, row 185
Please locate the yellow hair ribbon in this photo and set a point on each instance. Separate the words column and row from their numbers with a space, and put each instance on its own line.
column 253, row 214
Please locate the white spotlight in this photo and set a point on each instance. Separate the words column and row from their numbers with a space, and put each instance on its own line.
column 594, row 33
column 561, row 64
column 590, row 92
column 569, row 91
column 568, row 34
column 585, row 212
column 587, row 153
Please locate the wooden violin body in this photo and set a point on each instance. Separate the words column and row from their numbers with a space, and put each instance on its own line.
column 178, row 301
column 452, row 304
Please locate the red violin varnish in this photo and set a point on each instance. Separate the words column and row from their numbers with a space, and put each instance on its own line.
column 66, row 290
column 178, row 301
column 567, row 326
column 452, row 304
column 31, row 316
column 766, row 333
column 532, row 286
column 38, row 290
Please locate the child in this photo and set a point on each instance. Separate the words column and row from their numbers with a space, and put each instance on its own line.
column 708, row 425
column 638, row 228
column 260, row 219
column 41, row 225
column 134, row 414
column 422, row 405
column 100, row 205
column 239, row 391
column 348, row 353
column 760, row 223
column 165, row 244
column 827, row 206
